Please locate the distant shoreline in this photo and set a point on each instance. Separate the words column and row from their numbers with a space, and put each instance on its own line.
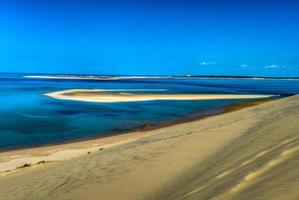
column 120, row 77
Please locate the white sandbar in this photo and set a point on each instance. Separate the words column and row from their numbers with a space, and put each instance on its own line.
column 100, row 95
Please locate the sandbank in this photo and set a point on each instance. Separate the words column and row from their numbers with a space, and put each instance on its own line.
column 101, row 95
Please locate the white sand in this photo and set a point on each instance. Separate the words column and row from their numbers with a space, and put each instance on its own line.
column 14, row 160
column 99, row 95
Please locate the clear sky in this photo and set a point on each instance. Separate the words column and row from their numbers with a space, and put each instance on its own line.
column 203, row 37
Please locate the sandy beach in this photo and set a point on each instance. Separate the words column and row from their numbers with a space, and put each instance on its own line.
column 246, row 154
column 99, row 95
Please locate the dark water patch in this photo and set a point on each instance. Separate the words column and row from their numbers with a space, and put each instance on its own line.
column 70, row 112
column 127, row 126
column 35, row 116
column 110, row 115
column 28, row 125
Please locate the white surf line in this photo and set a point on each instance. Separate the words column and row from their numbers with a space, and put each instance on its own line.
column 72, row 77
column 129, row 97
column 95, row 77
column 109, row 90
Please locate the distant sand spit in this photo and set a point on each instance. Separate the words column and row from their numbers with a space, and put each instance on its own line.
column 247, row 154
column 98, row 95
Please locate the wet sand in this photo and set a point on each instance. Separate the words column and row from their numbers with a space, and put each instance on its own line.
column 251, row 153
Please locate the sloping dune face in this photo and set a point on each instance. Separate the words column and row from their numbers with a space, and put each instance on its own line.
column 248, row 154
column 262, row 164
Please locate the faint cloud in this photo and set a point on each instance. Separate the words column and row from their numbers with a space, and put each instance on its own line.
column 207, row 63
column 271, row 66
column 281, row 67
column 243, row 66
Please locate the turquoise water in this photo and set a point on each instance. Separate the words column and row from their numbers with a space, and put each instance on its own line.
column 27, row 118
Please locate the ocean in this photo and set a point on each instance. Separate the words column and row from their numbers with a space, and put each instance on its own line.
column 29, row 119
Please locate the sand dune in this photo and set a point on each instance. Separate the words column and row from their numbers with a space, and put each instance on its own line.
column 248, row 154
column 101, row 96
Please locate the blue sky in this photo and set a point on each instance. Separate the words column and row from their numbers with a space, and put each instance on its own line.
column 215, row 37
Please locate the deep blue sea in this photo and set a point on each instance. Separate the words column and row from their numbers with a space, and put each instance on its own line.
column 27, row 118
